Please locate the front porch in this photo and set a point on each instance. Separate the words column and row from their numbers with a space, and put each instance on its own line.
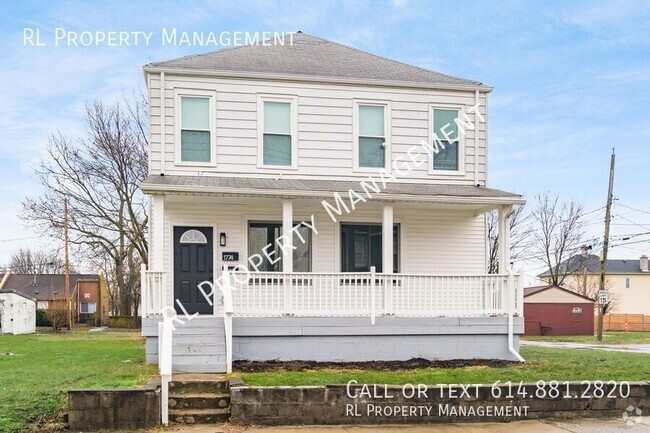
column 396, row 277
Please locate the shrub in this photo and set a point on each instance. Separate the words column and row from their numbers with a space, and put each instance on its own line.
column 41, row 318
column 58, row 317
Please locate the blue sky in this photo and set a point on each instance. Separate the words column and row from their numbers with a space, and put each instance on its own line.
column 571, row 79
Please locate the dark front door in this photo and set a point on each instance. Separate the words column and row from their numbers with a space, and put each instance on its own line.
column 192, row 266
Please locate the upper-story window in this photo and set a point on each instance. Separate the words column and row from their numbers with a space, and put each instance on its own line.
column 627, row 282
column 278, row 141
column 448, row 141
column 196, row 132
column 371, row 148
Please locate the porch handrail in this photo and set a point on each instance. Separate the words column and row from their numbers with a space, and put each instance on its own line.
column 153, row 286
column 228, row 311
column 364, row 294
column 165, row 333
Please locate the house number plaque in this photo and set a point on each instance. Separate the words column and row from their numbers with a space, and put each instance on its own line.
column 230, row 257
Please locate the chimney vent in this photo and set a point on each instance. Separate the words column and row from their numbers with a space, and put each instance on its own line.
column 643, row 263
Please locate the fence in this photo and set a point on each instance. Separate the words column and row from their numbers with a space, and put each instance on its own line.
column 624, row 322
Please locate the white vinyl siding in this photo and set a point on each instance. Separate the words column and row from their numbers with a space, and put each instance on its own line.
column 324, row 130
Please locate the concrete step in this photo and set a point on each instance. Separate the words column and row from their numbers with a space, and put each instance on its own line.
column 199, row 401
column 199, row 416
column 197, row 383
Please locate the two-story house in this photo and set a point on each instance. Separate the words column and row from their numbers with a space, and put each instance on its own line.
column 338, row 196
column 628, row 280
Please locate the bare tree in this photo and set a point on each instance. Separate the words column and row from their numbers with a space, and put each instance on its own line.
column 519, row 236
column 99, row 175
column 557, row 233
column 28, row 261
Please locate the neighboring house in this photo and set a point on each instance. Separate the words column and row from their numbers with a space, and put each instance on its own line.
column 17, row 313
column 628, row 281
column 554, row 310
column 247, row 143
column 87, row 292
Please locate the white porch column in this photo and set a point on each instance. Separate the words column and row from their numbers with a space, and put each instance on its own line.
column 504, row 238
column 157, row 233
column 387, row 240
column 287, row 225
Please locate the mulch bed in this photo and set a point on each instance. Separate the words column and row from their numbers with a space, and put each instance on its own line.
column 411, row 364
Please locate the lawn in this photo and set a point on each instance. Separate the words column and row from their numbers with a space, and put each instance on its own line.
column 542, row 364
column 608, row 338
column 35, row 370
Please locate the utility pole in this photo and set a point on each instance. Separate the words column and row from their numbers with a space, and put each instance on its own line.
column 603, row 263
column 67, row 263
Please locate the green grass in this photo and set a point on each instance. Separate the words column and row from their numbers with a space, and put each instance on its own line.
column 608, row 338
column 542, row 364
column 36, row 370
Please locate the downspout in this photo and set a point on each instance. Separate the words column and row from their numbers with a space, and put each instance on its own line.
column 511, row 301
column 163, row 133
column 476, row 135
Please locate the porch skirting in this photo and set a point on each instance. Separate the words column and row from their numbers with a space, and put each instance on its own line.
column 199, row 345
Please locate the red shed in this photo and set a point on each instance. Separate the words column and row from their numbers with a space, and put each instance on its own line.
column 554, row 310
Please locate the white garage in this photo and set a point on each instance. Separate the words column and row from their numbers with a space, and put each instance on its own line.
column 17, row 313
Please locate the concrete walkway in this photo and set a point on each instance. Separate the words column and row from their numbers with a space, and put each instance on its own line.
column 616, row 425
column 631, row 348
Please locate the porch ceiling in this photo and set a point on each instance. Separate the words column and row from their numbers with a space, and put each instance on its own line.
column 318, row 188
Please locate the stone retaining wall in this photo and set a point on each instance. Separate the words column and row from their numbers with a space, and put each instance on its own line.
column 394, row 404
column 113, row 409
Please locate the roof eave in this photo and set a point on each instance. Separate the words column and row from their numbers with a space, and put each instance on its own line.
column 191, row 189
column 313, row 79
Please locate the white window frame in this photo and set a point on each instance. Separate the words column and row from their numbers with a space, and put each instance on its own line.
column 387, row 135
column 88, row 303
column 193, row 93
column 461, row 140
column 292, row 100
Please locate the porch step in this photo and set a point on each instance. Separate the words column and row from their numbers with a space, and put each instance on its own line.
column 198, row 398
column 199, row 416
column 197, row 383
column 200, row 401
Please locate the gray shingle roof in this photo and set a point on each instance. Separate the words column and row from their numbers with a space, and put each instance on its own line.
column 16, row 292
column 44, row 286
column 321, row 188
column 592, row 262
column 312, row 57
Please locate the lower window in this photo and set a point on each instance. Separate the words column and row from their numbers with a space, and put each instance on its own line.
column 261, row 234
column 88, row 307
column 361, row 246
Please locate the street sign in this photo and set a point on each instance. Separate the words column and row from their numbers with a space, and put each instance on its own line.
column 603, row 297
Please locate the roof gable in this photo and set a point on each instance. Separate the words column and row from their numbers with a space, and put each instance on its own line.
column 530, row 291
column 310, row 56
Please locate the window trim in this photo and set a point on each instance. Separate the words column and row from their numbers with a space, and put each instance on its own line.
column 628, row 282
column 461, row 140
column 387, row 135
column 193, row 93
column 263, row 220
column 88, row 303
column 292, row 100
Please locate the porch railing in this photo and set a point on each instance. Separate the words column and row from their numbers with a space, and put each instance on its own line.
column 153, row 288
column 371, row 294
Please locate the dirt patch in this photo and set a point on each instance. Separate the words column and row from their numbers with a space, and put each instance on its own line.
column 411, row 364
